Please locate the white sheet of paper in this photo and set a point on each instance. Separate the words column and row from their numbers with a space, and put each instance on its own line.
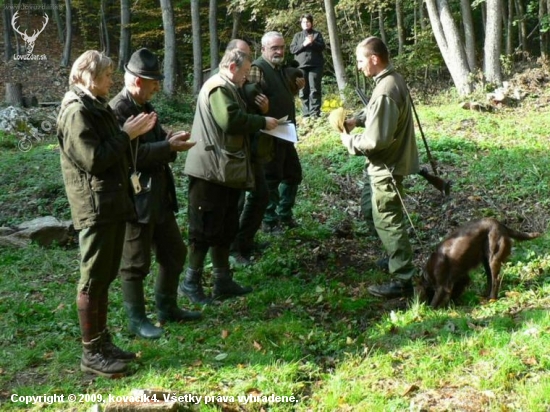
column 285, row 131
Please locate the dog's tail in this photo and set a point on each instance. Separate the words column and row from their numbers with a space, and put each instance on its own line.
column 514, row 234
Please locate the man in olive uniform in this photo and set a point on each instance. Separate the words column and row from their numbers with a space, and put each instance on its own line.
column 253, row 202
column 390, row 146
column 156, row 227
column 219, row 169
column 284, row 172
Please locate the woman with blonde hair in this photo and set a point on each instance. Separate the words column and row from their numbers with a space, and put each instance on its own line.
column 96, row 175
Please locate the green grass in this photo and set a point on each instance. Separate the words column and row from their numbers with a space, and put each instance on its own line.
column 310, row 329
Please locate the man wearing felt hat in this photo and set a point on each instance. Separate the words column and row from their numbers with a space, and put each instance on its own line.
column 156, row 227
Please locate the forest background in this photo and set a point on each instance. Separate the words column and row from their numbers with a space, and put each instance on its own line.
column 471, row 42
column 310, row 329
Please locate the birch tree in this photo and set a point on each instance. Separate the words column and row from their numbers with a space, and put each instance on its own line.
column 169, row 84
column 493, row 42
column 335, row 48
column 103, row 30
column 400, row 27
column 469, row 34
column 449, row 43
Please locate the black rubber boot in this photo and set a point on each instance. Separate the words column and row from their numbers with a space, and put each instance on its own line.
column 225, row 287
column 94, row 361
column 110, row 350
column 168, row 310
column 192, row 287
column 134, row 303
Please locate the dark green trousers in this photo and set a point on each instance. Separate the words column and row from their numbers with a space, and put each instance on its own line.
column 366, row 202
column 165, row 240
column 283, row 175
column 101, row 251
column 252, row 208
column 390, row 224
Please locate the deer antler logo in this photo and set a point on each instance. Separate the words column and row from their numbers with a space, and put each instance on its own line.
column 29, row 40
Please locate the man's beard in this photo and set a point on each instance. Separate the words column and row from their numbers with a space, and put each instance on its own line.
column 277, row 60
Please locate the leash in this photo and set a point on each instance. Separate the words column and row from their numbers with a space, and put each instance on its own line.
column 394, row 184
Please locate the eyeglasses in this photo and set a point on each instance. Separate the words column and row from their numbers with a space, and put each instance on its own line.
column 275, row 48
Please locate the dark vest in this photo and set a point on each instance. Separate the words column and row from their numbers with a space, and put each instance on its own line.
column 277, row 90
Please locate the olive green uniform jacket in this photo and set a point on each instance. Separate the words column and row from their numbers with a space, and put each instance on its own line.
column 221, row 128
column 93, row 161
column 388, row 140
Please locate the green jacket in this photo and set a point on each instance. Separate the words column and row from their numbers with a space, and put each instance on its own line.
column 221, row 128
column 153, row 158
column 93, row 161
column 388, row 140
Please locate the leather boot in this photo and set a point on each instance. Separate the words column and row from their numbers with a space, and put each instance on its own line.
column 94, row 361
column 225, row 287
column 168, row 310
column 192, row 287
column 134, row 303
column 110, row 350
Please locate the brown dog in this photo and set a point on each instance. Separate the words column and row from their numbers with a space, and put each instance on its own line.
column 484, row 241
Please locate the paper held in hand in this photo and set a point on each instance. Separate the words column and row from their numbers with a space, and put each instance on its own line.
column 285, row 130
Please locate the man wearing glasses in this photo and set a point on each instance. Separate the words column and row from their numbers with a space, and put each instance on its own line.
column 283, row 172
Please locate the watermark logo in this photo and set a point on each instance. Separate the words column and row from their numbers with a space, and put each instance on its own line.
column 29, row 40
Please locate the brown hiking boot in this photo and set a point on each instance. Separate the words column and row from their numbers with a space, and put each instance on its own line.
column 94, row 361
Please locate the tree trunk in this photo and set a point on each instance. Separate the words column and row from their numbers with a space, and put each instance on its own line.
column 66, row 59
column 400, row 27
column 236, row 24
column 103, row 30
column 197, row 46
column 381, row 25
column 213, row 27
column 522, row 33
column 510, row 28
column 14, row 94
column 493, row 42
column 469, row 34
column 17, row 48
column 335, row 48
column 543, row 13
column 57, row 18
column 8, row 50
column 448, row 39
column 169, row 84
column 125, row 35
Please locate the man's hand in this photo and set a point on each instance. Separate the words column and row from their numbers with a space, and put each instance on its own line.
column 262, row 102
column 179, row 141
column 300, row 83
column 271, row 123
column 137, row 125
column 308, row 40
column 349, row 124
